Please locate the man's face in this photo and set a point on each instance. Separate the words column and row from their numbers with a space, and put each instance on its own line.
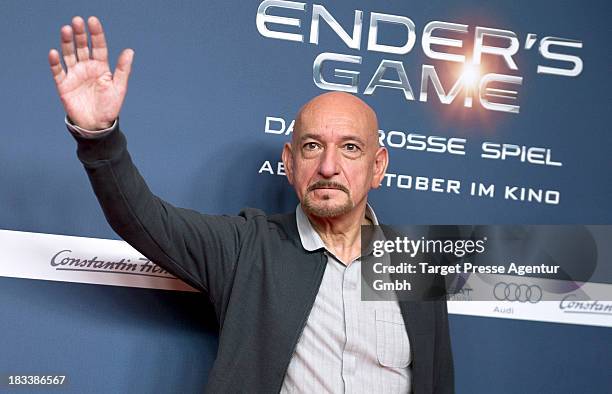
column 334, row 158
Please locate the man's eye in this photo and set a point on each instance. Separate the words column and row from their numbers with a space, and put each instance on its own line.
column 310, row 145
column 351, row 147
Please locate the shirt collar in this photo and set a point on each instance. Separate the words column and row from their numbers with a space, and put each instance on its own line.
column 311, row 240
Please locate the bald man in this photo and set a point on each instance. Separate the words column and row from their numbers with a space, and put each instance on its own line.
column 285, row 288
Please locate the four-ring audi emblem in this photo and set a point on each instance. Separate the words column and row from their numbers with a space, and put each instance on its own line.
column 504, row 291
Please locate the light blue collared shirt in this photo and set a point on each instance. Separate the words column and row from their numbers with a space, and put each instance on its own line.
column 348, row 345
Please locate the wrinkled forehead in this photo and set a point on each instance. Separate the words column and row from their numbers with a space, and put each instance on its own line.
column 337, row 117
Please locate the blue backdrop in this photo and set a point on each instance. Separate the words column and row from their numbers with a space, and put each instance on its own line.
column 203, row 83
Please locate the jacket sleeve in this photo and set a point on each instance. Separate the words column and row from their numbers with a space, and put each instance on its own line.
column 444, row 373
column 200, row 249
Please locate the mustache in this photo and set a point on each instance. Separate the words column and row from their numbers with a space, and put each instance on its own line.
column 323, row 184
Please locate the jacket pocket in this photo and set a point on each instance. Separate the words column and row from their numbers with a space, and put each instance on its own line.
column 392, row 343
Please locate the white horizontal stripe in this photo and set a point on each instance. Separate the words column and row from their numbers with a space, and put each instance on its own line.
column 81, row 260
column 28, row 255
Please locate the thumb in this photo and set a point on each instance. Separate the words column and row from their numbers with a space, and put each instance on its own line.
column 124, row 66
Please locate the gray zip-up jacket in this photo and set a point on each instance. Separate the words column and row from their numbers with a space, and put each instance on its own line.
column 260, row 279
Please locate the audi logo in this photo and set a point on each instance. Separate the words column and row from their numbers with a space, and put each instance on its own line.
column 514, row 292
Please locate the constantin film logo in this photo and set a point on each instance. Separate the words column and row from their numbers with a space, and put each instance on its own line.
column 64, row 260
column 569, row 304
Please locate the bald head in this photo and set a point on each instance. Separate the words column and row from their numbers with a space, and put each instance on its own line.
column 334, row 157
column 338, row 105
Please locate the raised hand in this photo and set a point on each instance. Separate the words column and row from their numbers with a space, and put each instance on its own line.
column 92, row 96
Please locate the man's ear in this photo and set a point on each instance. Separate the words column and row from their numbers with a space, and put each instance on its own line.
column 287, row 157
column 381, row 161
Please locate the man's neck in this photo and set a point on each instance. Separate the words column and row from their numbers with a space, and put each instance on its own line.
column 342, row 234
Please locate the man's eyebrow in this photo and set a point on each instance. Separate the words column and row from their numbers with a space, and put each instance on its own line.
column 353, row 138
column 310, row 136
column 315, row 136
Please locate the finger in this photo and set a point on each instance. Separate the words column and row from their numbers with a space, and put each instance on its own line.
column 56, row 67
column 67, row 43
column 124, row 66
column 98, row 42
column 80, row 36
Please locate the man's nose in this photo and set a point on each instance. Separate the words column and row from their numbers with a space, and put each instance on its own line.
column 329, row 165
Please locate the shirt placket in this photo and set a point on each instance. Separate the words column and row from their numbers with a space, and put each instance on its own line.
column 350, row 298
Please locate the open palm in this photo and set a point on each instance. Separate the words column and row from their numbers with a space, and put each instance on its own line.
column 92, row 96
